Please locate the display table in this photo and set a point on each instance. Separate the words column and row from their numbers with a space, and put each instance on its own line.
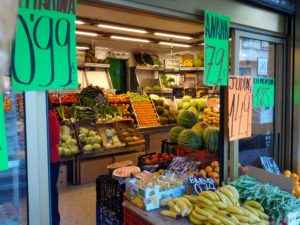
column 148, row 218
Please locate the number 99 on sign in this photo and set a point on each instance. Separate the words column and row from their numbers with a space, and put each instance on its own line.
column 44, row 52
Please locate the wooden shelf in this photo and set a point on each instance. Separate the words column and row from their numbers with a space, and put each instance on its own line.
column 94, row 65
column 177, row 70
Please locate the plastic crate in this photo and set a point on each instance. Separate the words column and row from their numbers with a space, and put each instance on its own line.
column 131, row 218
column 109, row 200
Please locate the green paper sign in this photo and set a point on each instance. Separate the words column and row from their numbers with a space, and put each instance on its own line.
column 263, row 92
column 3, row 143
column 216, row 49
column 44, row 52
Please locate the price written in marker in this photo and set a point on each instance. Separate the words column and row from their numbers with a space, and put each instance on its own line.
column 240, row 107
column 263, row 92
column 44, row 52
column 216, row 49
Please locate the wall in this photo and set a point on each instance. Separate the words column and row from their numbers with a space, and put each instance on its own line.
column 296, row 121
column 240, row 13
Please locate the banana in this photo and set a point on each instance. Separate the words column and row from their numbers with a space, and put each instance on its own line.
column 204, row 212
column 233, row 219
column 187, row 202
column 197, row 216
column 250, row 209
column 224, row 198
column 243, row 219
column 214, row 220
column 227, row 192
column 262, row 215
column 224, row 220
column 254, row 204
column 235, row 210
column 184, row 209
column 204, row 200
column 212, row 196
column 168, row 213
column 174, row 207
column 212, row 208
column 191, row 198
column 234, row 191
column 194, row 221
column 251, row 215
column 220, row 205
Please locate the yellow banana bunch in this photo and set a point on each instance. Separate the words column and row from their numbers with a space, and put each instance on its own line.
column 178, row 207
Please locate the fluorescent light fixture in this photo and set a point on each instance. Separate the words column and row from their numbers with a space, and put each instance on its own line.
column 85, row 33
column 173, row 36
column 174, row 44
column 79, row 22
column 129, row 39
column 126, row 29
column 82, row 48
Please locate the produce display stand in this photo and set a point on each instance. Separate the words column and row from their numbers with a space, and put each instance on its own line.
column 89, row 166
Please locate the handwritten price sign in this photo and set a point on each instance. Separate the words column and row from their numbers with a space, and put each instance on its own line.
column 44, row 52
column 216, row 49
column 3, row 142
column 263, row 92
column 240, row 107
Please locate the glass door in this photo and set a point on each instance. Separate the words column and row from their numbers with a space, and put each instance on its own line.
column 262, row 56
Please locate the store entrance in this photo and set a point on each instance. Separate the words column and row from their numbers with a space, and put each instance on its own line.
column 262, row 57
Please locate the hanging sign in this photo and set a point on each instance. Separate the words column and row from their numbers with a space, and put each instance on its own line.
column 269, row 165
column 44, row 51
column 216, row 49
column 3, row 143
column 263, row 92
column 240, row 107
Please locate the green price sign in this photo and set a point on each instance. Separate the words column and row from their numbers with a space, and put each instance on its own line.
column 216, row 49
column 263, row 92
column 3, row 143
column 44, row 51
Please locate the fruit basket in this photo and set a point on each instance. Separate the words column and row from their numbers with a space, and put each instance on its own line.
column 155, row 161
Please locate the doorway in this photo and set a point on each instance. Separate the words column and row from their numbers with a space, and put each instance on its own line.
column 263, row 57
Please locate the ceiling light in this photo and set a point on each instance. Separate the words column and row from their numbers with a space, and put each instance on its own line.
column 79, row 22
column 129, row 39
column 173, row 36
column 85, row 33
column 174, row 44
column 82, row 48
column 127, row 29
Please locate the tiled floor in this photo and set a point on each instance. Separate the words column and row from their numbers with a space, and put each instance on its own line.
column 78, row 205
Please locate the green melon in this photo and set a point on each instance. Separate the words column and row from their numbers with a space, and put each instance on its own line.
column 186, row 119
column 174, row 133
column 211, row 138
column 189, row 139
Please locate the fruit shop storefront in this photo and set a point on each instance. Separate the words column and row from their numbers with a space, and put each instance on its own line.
column 154, row 107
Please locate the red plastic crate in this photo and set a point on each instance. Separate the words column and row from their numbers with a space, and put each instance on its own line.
column 131, row 218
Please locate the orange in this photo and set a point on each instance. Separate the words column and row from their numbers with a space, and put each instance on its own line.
column 295, row 176
column 208, row 169
column 287, row 173
column 202, row 173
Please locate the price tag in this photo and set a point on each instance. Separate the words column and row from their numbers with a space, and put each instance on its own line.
column 216, row 49
column 200, row 184
column 263, row 92
column 3, row 141
column 269, row 165
column 44, row 51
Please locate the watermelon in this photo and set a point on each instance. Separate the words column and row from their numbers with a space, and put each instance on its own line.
column 186, row 119
column 211, row 138
column 189, row 139
column 199, row 128
column 174, row 133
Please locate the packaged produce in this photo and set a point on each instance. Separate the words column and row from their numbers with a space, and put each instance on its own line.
column 210, row 171
column 278, row 204
column 131, row 136
column 68, row 144
column 150, row 193
column 183, row 166
column 90, row 140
